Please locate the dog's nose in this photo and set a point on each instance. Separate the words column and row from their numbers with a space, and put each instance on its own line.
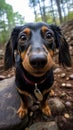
column 38, row 60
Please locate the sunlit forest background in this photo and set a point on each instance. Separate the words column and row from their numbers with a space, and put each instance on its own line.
column 50, row 11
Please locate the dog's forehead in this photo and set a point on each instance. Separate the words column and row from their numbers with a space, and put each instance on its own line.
column 35, row 26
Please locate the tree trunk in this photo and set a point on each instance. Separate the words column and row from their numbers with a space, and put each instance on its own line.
column 40, row 10
column 67, row 9
column 64, row 12
column 59, row 10
column 44, row 13
column 54, row 20
column 34, row 10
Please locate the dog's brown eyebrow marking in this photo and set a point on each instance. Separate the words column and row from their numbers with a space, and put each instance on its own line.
column 44, row 28
column 27, row 31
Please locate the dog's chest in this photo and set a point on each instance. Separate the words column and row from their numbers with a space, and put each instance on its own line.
column 35, row 89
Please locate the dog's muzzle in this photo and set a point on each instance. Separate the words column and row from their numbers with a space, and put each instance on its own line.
column 38, row 60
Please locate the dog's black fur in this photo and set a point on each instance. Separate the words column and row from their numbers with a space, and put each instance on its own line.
column 27, row 40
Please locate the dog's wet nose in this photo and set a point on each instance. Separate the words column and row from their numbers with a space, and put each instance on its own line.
column 38, row 60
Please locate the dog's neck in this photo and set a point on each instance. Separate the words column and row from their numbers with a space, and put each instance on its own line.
column 30, row 79
column 32, row 82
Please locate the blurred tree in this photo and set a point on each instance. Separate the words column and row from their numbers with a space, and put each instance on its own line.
column 9, row 16
column 59, row 10
column 32, row 4
column 18, row 19
column 8, row 19
column 63, row 8
column 41, row 5
column 2, row 14
column 42, row 8
column 52, row 10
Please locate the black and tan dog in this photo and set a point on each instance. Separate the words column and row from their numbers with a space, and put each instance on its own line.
column 35, row 44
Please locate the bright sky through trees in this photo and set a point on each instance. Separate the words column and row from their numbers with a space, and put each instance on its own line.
column 23, row 8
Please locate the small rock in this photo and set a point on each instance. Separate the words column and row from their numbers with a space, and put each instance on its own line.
column 67, row 78
column 56, row 105
column 71, row 76
column 70, row 48
column 68, row 104
column 31, row 114
column 44, row 126
column 68, row 85
column 58, row 70
column 63, row 84
column 63, row 75
column 68, row 68
column 66, row 115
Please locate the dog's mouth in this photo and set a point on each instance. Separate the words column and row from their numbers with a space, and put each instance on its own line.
column 38, row 73
column 38, row 70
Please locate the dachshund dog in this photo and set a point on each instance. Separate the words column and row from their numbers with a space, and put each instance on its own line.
column 35, row 44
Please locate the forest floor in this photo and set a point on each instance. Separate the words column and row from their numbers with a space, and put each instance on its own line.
column 63, row 84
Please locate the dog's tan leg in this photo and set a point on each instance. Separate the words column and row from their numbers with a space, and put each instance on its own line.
column 22, row 111
column 51, row 93
column 45, row 109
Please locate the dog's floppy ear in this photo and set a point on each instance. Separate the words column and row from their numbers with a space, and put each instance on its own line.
column 10, row 47
column 62, row 45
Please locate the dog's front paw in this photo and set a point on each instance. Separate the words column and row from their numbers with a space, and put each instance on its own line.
column 46, row 110
column 22, row 112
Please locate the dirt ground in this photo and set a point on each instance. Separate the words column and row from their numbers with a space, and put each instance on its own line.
column 63, row 84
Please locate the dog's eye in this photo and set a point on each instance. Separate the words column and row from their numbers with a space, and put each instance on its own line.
column 23, row 37
column 48, row 35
